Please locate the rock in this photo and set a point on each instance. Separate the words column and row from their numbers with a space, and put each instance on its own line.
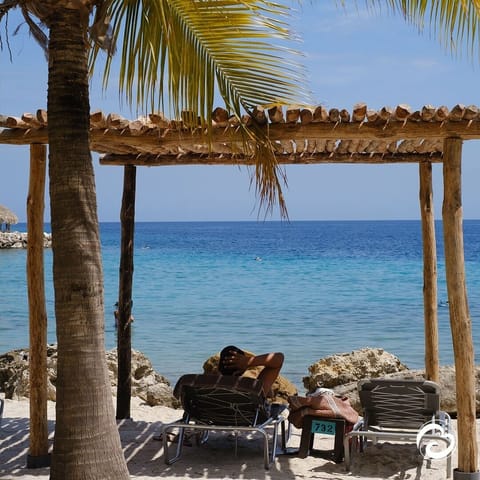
column 344, row 368
column 282, row 387
column 15, row 375
column 160, row 394
column 20, row 240
column 146, row 382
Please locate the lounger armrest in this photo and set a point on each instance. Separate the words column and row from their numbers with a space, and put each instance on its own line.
column 359, row 424
column 445, row 420
column 279, row 410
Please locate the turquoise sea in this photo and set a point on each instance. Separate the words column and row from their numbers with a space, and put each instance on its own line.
column 309, row 289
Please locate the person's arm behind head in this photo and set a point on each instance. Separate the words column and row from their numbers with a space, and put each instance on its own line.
column 271, row 363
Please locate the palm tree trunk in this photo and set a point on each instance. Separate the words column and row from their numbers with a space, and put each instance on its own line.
column 87, row 443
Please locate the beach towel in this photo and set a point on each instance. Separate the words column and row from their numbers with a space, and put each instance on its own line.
column 321, row 405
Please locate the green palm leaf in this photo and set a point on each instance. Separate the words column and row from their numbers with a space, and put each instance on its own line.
column 188, row 50
column 452, row 21
column 182, row 49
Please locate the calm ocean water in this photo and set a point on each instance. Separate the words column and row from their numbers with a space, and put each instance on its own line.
column 309, row 289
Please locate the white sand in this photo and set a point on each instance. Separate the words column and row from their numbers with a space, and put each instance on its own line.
column 221, row 457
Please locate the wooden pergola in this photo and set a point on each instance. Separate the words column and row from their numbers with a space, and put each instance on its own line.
column 300, row 136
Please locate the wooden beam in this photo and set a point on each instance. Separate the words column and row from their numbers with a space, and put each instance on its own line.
column 460, row 321
column 430, row 302
column 127, row 152
column 124, row 331
column 118, row 136
column 38, row 456
column 393, row 130
column 294, row 159
column 18, row 136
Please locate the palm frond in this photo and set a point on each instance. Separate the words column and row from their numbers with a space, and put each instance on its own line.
column 36, row 31
column 5, row 7
column 454, row 22
column 101, row 31
column 240, row 42
column 186, row 51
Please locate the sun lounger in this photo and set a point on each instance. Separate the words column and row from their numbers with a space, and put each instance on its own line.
column 403, row 410
column 226, row 403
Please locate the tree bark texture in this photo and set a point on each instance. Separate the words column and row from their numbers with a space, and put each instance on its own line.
column 124, row 330
column 430, row 301
column 38, row 451
column 460, row 322
column 87, row 443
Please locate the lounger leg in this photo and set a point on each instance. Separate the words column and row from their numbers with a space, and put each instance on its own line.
column 201, row 437
column 286, row 433
column 338, row 449
column 274, row 442
column 178, row 453
column 306, row 438
column 346, row 449
column 266, row 449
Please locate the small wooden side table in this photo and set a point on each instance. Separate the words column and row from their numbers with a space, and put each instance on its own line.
column 324, row 426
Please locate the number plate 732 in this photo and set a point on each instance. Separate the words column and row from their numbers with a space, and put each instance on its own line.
column 323, row 426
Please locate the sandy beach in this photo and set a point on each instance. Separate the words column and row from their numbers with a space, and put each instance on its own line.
column 221, row 457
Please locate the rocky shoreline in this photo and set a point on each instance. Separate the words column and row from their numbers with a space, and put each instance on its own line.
column 339, row 372
column 20, row 240
column 147, row 384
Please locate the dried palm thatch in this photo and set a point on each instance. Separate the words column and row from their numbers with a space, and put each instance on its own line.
column 7, row 216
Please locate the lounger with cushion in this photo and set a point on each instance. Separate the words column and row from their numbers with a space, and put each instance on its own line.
column 226, row 403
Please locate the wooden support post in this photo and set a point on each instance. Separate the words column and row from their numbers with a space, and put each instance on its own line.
column 460, row 322
column 430, row 305
column 38, row 456
column 124, row 332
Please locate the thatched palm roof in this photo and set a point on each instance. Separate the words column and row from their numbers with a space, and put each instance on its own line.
column 7, row 216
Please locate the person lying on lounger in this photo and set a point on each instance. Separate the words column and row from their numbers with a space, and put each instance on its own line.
column 234, row 361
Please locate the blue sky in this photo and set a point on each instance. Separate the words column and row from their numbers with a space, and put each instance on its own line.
column 352, row 57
